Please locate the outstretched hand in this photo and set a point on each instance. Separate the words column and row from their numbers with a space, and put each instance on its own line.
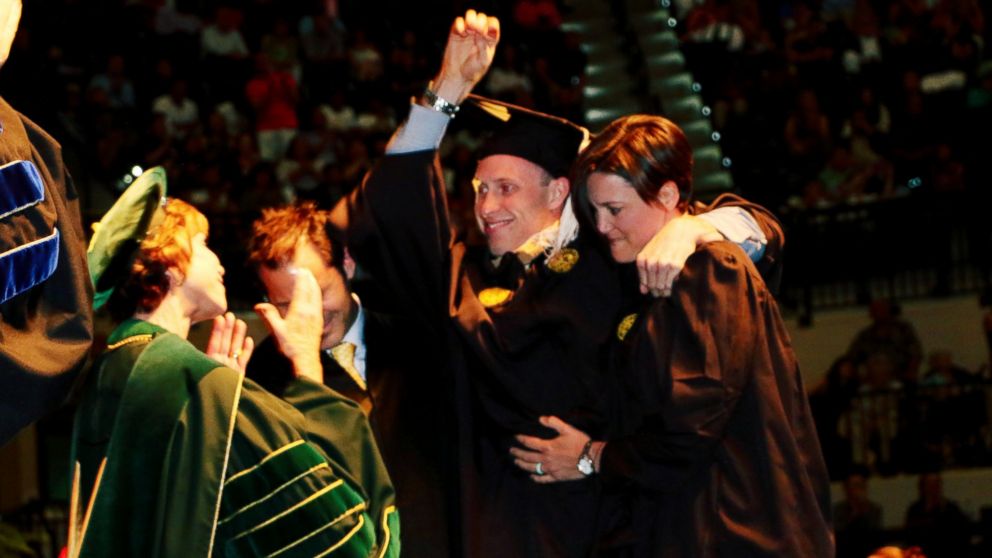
column 229, row 343
column 467, row 56
column 557, row 457
column 298, row 333
column 663, row 257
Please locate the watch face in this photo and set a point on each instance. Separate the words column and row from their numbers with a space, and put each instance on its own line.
column 585, row 465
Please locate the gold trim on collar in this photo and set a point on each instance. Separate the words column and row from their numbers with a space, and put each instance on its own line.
column 128, row 340
column 564, row 260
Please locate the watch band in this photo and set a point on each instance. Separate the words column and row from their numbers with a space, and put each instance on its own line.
column 440, row 104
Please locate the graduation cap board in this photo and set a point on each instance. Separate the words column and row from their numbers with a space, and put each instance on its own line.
column 118, row 235
column 548, row 141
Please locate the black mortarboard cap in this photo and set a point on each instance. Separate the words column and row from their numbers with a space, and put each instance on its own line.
column 545, row 140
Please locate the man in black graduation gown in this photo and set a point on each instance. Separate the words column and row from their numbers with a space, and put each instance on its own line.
column 522, row 324
column 372, row 358
column 46, row 321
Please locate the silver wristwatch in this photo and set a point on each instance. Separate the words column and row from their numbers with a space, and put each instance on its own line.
column 585, row 464
column 440, row 104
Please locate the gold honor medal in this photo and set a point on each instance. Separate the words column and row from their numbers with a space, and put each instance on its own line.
column 625, row 325
column 564, row 260
column 494, row 296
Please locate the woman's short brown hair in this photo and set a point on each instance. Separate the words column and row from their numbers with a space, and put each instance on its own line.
column 645, row 150
column 168, row 245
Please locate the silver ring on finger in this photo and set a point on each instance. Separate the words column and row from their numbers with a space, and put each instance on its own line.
column 539, row 469
column 236, row 355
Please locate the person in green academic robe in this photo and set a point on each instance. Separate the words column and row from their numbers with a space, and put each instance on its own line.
column 174, row 452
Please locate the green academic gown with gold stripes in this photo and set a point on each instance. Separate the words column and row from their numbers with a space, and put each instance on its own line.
column 175, row 455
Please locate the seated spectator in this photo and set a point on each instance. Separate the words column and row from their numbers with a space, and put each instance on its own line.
column 954, row 413
column 222, row 38
column 182, row 115
column 157, row 147
column 842, row 179
column 225, row 54
column 711, row 22
column 339, row 116
column 117, row 89
column 324, row 144
column 282, row 48
column 299, row 172
column 322, row 39
column 863, row 54
column 377, row 117
column 874, row 424
column 273, row 95
column 366, row 60
column 857, row 520
column 506, row 79
column 936, row 523
column 890, row 335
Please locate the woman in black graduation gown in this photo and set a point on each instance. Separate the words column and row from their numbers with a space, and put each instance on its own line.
column 724, row 460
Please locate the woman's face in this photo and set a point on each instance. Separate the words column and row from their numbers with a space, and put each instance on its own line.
column 203, row 287
column 627, row 221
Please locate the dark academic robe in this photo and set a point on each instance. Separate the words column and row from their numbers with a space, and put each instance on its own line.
column 522, row 341
column 407, row 423
column 726, row 462
column 46, row 324
column 177, row 456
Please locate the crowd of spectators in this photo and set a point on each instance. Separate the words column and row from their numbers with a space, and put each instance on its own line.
column 846, row 100
column 861, row 123
column 253, row 103
column 880, row 409
column 256, row 103
column 933, row 524
column 834, row 101
column 818, row 101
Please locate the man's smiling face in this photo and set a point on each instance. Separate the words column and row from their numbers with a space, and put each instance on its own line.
column 513, row 201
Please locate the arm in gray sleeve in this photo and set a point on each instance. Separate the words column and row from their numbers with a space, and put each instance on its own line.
column 740, row 227
column 422, row 131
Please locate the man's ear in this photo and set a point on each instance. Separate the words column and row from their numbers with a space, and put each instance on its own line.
column 557, row 193
column 348, row 264
column 668, row 195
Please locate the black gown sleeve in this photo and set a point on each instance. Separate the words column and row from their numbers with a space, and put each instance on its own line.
column 45, row 331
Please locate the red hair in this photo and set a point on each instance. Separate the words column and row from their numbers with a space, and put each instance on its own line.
column 168, row 245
